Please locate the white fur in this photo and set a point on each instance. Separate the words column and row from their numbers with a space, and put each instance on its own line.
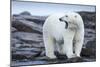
column 73, row 36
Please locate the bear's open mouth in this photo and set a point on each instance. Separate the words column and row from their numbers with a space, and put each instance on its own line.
column 65, row 22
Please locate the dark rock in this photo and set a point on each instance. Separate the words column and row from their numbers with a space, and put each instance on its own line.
column 27, row 52
column 76, row 59
column 33, row 49
column 89, row 49
column 17, row 17
column 26, row 26
column 88, row 52
column 40, row 45
column 15, row 57
column 25, row 13
column 88, row 16
column 36, row 62
column 28, row 37
column 41, row 58
column 90, row 24
column 18, row 45
column 90, row 35
column 36, row 19
column 91, row 44
column 89, row 19
column 25, row 45
column 13, row 29
column 59, row 56
column 14, row 42
column 42, row 53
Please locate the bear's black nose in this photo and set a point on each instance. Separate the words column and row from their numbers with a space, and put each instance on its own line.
column 60, row 19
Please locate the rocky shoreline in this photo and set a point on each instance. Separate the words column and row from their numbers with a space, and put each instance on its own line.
column 27, row 46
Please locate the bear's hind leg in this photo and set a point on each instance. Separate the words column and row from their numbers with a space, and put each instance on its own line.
column 49, row 47
column 78, row 47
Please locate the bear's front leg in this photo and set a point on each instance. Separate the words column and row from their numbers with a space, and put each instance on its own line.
column 49, row 46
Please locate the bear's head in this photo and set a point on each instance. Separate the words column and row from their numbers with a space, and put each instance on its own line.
column 71, row 20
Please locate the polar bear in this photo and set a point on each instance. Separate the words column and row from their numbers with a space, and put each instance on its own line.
column 63, row 32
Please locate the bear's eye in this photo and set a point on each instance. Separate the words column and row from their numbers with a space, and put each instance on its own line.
column 75, row 16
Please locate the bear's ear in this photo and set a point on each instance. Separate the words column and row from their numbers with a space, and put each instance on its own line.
column 75, row 16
